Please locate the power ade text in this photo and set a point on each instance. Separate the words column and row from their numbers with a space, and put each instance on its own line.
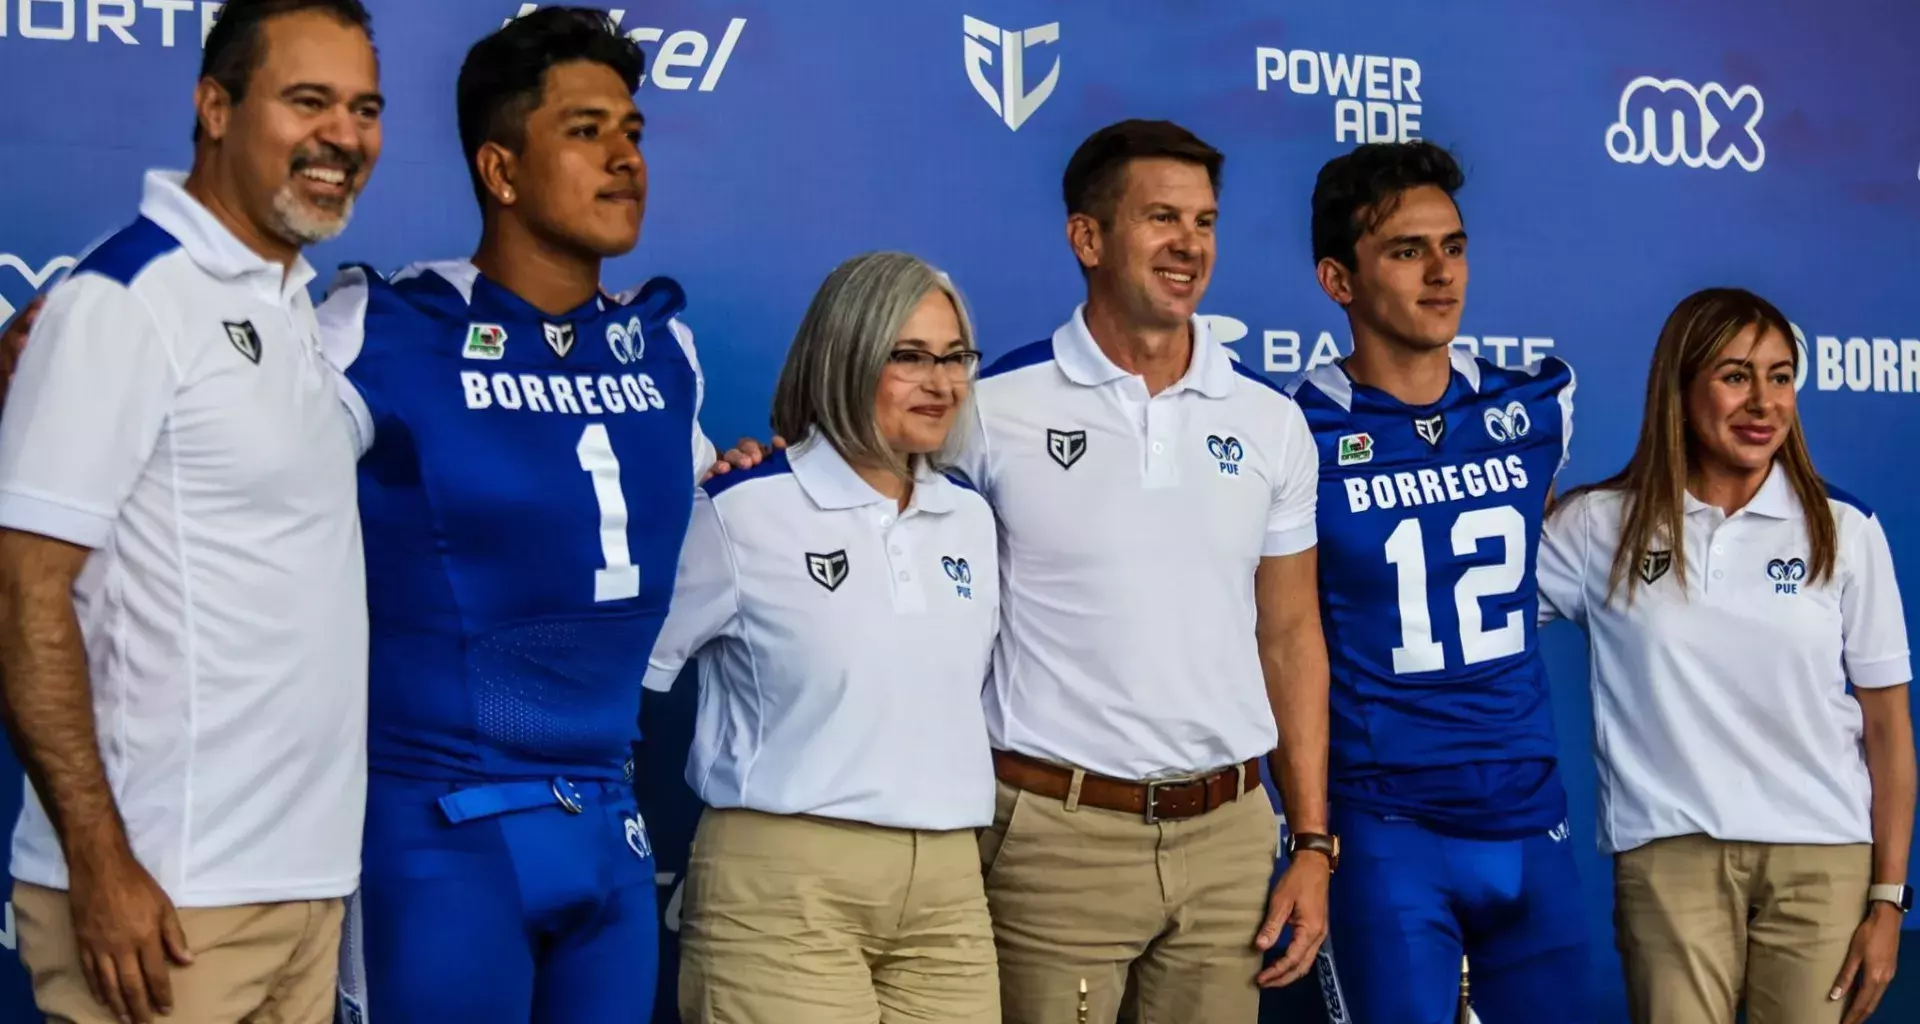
column 1436, row 486
column 1390, row 111
column 579, row 395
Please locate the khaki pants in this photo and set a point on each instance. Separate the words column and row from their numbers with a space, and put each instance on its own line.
column 801, row 920
column 1704, row 925
column 1159, row 919
column 266, row 963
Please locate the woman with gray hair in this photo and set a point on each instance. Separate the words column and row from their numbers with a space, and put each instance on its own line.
column 843, row 599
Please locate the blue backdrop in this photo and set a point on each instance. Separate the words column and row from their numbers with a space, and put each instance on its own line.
column 1619, row 156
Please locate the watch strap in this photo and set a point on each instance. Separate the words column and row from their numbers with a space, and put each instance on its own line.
column 1899, row 895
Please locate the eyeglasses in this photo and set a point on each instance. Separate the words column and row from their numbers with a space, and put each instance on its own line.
column 915, row 364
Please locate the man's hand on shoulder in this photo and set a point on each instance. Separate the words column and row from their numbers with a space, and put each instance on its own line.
column 13, row 340
column 746, row 453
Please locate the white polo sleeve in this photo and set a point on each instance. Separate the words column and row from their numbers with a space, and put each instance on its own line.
column 86, row 407
column 1562, row 564
column 1296, row 487
column 967, row 448
column 706, row 596
column 342, row 317
column 704, row 453
column 1873, row 624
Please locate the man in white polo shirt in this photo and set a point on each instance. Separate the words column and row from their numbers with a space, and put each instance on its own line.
column 182, row 602
column 1160, row 616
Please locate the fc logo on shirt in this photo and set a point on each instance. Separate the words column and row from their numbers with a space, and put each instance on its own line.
column 245, row 338
column 828, row 570
column 1786, row 574
column 1066, row 446
column 1654, row 565
column 1430, row 427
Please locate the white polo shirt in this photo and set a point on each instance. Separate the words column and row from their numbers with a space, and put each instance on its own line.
column 172, row 413
column 842, row 644
column 1724, row 709
column 1130, row 529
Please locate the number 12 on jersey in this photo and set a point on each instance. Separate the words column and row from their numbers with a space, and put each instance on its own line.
column 620, row 579
column 1407, row 553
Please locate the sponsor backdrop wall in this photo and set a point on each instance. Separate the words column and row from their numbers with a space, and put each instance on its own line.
column 1619, row 156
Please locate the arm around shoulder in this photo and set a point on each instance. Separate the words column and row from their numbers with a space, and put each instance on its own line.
column 706, row 596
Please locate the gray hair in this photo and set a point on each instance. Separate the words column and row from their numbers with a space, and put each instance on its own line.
column 833, row 370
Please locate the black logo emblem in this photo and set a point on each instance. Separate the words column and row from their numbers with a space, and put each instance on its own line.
column 1654, row 565
column 245, row 338
column 1430, row 427
column 829, row 570
column 1066, row 446
column 957, row 569
column 559, row 338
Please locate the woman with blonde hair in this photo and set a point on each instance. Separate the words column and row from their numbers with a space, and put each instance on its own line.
column 843, row 599
column 1749, row 670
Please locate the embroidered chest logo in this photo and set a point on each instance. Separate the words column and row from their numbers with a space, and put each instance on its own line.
column 628, row 343
column 960, row 573
column 1654, row 564
column 244, row 338
column 1228, row 452
column 559, row 338
column 485, row 341
column 1355, row 449
column 1066, row 446
column 1430, row 427
column 828, row 570
column 1509, row 424
column 1786, row 574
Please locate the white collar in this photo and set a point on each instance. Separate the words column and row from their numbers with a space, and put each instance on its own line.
column 832, row 484
column 1209, row 372
column 207, row 242
column 1775, row 498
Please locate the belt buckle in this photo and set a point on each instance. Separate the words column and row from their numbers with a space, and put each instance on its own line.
column 1153, row 795
column 568, row 795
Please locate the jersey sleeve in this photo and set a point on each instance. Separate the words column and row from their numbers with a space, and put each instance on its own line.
column 84, row 412
column 704, row 453
column 343, row 333
column 1562, row 564
column 1566, row 418
column 1873, row 623
column 1296, row 488
column 706, row 596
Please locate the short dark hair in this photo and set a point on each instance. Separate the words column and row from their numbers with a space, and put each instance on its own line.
column 236, row 47
column 1367, row 183
column 505, row 74
column 1096, row 170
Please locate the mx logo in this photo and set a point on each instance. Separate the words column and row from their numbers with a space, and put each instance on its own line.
column 1066, row 446
column 35, row 279
column 559, row 338
column 828, row 570
column 1654, row 564
column 1670, row 121
column 1509, row 424
column 628, row 343
column 1786, row 574
column 1011, row 100
column 1228, row 452
column 960, row 573
column 244, row 338
column 1430, row 427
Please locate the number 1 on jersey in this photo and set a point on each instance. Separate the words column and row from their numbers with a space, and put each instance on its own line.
column 1407, row 553
column 621, row 578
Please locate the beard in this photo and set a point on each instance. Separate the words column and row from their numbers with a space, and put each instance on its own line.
column 303, row 224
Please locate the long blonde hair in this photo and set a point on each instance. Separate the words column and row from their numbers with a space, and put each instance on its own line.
column 1655, row 479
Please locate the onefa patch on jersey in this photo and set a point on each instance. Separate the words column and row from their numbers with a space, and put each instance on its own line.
column 1355, row 449
column 485, row 341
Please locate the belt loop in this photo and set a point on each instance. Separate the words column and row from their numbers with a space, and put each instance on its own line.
column 1240, row 780
column 1073, row 789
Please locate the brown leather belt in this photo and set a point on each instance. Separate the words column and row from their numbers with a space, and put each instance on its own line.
column 1157, row 800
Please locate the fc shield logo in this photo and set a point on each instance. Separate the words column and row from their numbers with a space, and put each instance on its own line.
column 1509, row 424
column 628, row 343
column 1010, row 98
column 559, row 338
column 828, row 570
column 1430, row 427
column 1066, row 446
column 1654, row 564
column 245, row 338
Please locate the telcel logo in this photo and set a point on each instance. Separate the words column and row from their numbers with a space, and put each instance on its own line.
column 679, row 55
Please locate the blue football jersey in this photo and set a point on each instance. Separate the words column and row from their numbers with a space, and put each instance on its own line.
column 1429, row 518
column 525, row 486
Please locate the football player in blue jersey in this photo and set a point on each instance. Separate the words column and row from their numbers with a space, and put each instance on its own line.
column 530, row 449
column 1436, row 468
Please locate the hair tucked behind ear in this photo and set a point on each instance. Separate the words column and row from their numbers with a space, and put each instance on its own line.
column 1654, row 481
